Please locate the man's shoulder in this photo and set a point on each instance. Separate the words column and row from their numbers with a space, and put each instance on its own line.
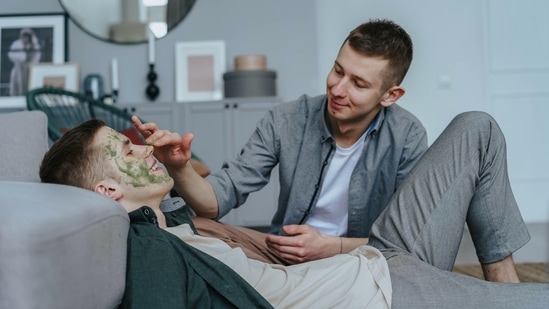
column 396, row 115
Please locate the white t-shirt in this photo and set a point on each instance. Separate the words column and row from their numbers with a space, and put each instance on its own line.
column 359, row 279
column 329, row 216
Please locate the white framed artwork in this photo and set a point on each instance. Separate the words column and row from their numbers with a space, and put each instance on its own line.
column 199, row 68
column 62, row 76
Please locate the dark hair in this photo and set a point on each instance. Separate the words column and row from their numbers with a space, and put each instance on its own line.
column 384, row 39
column 74, row 159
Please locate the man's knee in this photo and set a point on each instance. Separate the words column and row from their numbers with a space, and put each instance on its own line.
column 474, row 117
column 478, row 121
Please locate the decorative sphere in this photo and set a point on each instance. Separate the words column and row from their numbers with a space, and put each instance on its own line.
column 152, row 91
column 152, row 76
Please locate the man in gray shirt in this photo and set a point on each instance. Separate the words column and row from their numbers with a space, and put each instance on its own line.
column 341, row 155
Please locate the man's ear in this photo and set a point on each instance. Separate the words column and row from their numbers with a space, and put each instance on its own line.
column 392, row 95
column 109, row 189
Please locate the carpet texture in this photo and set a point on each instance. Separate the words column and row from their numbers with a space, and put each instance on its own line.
column 527, row 272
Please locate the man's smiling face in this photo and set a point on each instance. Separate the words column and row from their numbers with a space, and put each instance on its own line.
column 135, row 169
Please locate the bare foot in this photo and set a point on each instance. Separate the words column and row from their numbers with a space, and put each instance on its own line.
column 501, row 271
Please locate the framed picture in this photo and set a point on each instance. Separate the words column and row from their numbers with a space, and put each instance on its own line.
column 199, row 68
column 62, row 76
column 27, row 39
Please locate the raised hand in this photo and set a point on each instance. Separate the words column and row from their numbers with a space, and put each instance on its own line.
column 169, row 147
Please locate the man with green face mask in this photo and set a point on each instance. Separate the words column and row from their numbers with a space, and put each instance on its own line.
column 407, row 264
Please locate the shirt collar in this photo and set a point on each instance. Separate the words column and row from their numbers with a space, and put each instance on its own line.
column 372, row 129
column 376, row 123
column 145, row 214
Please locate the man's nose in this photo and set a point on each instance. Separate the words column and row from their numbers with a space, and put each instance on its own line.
column 340, row 87
column 146, row 150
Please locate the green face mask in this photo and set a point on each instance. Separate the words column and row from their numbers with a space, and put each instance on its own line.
column 134, row 168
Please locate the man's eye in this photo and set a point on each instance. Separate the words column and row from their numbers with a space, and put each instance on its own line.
column 130, row 152
column 360, row 85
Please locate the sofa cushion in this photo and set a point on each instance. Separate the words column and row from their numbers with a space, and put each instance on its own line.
column 24, row 140
column 60, row 247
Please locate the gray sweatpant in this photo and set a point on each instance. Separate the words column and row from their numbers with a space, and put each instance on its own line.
column 462, row 178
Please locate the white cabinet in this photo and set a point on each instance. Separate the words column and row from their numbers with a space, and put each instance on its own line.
column 163, row 114
column 221, row 128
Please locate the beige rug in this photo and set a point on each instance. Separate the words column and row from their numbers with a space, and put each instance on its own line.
column 527, row 272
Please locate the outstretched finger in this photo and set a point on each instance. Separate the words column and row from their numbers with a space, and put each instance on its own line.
column 186, row 140
column 162, row 138
column 146, row 129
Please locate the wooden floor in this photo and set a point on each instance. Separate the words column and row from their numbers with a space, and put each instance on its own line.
column 527, row 272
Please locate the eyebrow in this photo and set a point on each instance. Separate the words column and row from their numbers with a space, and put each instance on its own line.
column 369, row 84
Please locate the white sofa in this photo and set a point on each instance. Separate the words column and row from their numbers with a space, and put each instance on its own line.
column 60, row 246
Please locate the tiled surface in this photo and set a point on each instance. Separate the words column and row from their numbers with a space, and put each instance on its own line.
column 537, row 250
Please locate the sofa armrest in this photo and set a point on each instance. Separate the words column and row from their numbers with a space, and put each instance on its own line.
column 60, row 247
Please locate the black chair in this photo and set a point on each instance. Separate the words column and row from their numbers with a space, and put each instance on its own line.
column 66, row 110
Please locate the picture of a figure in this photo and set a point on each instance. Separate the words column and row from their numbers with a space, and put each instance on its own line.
column 23, row 51
column 21, row 47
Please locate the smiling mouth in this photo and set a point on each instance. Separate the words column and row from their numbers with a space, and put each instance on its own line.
column 336, row 105
column 154, row 167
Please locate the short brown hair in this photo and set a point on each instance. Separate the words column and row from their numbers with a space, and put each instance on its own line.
column 74, row 159
column 384, row 39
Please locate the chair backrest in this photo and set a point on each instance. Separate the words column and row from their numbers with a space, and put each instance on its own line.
column 66, row 110
column 23, row 142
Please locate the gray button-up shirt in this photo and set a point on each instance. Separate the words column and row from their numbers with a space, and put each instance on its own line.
column 295, row 136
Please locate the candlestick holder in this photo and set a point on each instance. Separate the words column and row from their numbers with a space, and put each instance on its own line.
column 114, row 95
column 152, row 89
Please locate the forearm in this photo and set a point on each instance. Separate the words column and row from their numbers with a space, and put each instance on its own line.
column 349, row 244
column 195, row 190
column 342, row 245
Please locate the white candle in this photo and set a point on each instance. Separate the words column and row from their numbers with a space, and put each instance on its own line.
column 151, row 46
column 114, row 72
column 94, row 88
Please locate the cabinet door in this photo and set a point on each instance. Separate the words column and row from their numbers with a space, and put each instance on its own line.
column 210, row 122
column 221, row 129
column 163, row 114
column 260, row 206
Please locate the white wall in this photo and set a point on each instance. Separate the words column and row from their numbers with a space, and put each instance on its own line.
column 446, row 75
column 488, row 55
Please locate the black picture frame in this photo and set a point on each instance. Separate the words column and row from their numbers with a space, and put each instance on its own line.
column 26, row 39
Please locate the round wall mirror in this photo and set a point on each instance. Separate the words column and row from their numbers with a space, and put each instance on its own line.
column 127, row 21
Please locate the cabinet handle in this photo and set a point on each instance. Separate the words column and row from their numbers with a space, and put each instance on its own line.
column 235, row 105
column 227, row 106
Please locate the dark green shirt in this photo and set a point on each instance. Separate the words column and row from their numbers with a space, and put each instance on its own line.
column 165, row 272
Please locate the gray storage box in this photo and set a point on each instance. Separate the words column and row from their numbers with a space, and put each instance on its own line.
column 250, row 84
